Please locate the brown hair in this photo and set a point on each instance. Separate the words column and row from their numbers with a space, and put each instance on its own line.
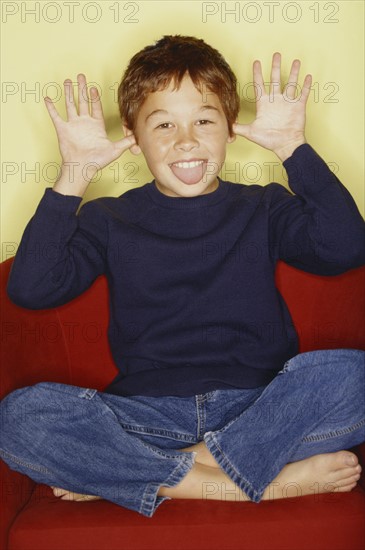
column 169, row 59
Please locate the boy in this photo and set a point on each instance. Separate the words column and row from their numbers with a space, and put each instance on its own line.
column 203, row 342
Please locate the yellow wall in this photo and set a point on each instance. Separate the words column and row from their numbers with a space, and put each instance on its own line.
column 48, row 41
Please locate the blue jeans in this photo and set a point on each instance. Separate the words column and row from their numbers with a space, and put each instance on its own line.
column 124, row 449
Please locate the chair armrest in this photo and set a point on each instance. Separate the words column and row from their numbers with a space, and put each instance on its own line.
column 32, row 350
column 33, row 346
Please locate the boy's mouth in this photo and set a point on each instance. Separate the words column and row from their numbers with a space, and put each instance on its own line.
column 189, row 171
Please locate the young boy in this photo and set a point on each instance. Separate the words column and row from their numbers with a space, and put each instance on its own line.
column 212, row 400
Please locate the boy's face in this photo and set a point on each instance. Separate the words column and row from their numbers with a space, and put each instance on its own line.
column 183, row 136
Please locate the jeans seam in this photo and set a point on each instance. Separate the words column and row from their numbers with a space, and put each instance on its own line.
column 19, row 461
column 335, row 433
column 201, row 416
column 230, row 470
column 149, row 497
column 178, row 436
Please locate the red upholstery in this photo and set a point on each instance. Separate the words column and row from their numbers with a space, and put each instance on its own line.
column 69, row 345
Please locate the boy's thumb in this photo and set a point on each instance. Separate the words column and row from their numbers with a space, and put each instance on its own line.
column 243, row 130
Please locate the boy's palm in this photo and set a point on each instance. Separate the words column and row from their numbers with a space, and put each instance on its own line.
column 280, row 116
column 82, row 137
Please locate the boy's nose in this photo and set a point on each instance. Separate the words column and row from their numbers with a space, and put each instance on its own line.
column 186, row 141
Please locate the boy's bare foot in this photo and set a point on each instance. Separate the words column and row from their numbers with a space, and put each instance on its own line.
column 69, row 495
column 324, row 473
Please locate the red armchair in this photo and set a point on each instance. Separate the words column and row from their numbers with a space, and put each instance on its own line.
column 69, row 344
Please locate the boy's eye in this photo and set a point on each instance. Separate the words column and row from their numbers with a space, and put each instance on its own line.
column 165, row 125
column 168, row 125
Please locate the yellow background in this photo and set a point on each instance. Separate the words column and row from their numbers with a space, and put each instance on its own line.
column 327, row 37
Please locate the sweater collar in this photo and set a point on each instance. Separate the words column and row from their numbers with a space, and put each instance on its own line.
column 183, row 203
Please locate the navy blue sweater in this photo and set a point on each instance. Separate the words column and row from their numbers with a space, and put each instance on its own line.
column 193, row 303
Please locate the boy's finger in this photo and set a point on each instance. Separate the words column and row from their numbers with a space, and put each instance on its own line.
column 307, row 84
column 291, row 87
column 258, row 80
column 125, row 143
column 96, row 107
column 275, row 74
column 83, row 94
column 53, row 113
column 69, row 99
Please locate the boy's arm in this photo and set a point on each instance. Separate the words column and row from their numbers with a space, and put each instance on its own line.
column 60, row 253
column 319, row 229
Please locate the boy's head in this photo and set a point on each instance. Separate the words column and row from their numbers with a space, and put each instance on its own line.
column 169, row 60
column 178, row 97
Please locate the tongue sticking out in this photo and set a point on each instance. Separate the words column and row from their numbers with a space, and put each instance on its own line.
column 189, row 175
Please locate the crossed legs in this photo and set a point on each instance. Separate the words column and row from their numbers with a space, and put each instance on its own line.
column 322, row 473
column 338, row 405
column 59, row 435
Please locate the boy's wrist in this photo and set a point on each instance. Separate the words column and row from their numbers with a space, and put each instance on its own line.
column 286, row 151
column 74, row 179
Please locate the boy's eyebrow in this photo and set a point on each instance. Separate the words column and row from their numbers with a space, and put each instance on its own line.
column 209, row 107
column 156, row 112
column 163, row 111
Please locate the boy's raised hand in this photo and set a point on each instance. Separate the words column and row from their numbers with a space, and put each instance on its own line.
column 280, row 115
column 83, row 142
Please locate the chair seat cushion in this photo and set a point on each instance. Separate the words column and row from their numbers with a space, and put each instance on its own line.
column 333, row 522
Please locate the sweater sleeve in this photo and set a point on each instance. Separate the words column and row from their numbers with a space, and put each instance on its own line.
column 318, row 229
column 60, row 254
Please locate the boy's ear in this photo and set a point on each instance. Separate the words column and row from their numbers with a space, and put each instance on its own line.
column 135, row 149
column 230, row 138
